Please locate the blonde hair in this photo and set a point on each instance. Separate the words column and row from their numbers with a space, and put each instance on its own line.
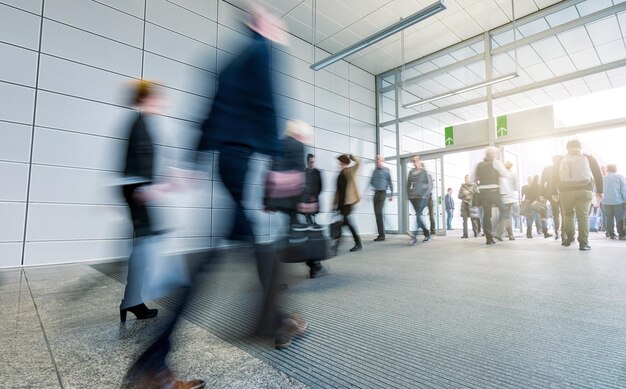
column 299, row 130
column 140, row 90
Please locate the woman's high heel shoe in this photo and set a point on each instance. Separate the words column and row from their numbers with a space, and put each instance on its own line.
column 140, row 311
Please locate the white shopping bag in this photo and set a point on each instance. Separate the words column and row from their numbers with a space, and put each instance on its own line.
column 164, row 272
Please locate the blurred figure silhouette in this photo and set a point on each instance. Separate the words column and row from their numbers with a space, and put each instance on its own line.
column 242, row 121
column 347, row 195
column 310, row 205
column 138, row 174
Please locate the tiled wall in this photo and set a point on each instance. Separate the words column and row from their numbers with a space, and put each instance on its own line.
column 63, row 120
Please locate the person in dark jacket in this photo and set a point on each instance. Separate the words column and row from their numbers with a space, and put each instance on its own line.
column 467, row 191
column 449, row 202
column 138, row 175
column 312, row 190
column 242, row 121
column 573, row 184
column 546, row 187
column 419, row 186
column 536, row 208
column 380, row 181
column 487, row 174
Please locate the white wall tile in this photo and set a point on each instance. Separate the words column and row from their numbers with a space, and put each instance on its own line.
column 362, row 95
column 187, row 106
column 206, row 8
column 67, row 42
column 296, row 48
column 21, row 69
column 178, row 75
column 362, row 112
column 179, row 47
column 77, row 222
column 43, row 253
column 78, row 80
column 362, row 148
column 15, row 145
column 361, row 130
column 62, row 148
column 331, row 141
column 98, row 19
column 133, row 7
column 74, row 186
column 12, row 226
column 294, row 88
column 332, row 102
column 16, row 103
column 332, row 121
column 175, row 18
column 33, row 6
column 231, row 40
column 10, row 254
column 292, row 66
column 362, row 78
column 293, row 109
column 232, row 17
column 70, row 113
column 17, row 175
column 19, row 27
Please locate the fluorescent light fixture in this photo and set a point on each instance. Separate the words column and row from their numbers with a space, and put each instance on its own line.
column 462, row 90
column 377, row 37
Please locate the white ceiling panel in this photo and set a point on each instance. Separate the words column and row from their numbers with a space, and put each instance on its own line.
column 621, row 17
column 462, row 24
column 561, row 66
column 617, row 77
column 404, row 8
column 522, row 79
column 604, row 31
column 539, row 72
column 533, row 27
column 563, row 16
column 382, row 18
column 578, row 89
column 503, row 63
column 443, row 60
column 463, row 53
column 449, row 81
column 585, row 59
column 557, row 92
column 364, row 8
column 611, row 51
column 526, row 56
column 539, row 97
column 487, row 14
column 466, row 76
column 591, row 6
column 598, row 82
column 549, row 48
column 575, row 40
column 434, row 88
column 338, row 12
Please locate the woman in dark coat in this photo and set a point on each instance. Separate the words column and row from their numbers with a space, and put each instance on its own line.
column 138, row 173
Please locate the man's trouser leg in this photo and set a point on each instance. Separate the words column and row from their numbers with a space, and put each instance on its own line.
column 567, row 200
column 581, row 206
column 379, row 204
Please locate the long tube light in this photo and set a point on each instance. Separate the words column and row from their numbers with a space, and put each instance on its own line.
column 382, row 34
column 462, row 90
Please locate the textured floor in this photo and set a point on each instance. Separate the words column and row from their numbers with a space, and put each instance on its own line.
column 448, row 313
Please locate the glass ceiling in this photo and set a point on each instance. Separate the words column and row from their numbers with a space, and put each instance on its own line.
column 570, row 49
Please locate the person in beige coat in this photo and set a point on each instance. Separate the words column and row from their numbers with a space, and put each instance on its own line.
column 347, row 195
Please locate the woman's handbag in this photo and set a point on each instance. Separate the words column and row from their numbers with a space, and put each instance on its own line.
column 284, row 184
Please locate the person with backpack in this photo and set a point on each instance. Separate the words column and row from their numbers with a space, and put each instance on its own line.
column 573, row 185
column 488, row 173
column 419, row 186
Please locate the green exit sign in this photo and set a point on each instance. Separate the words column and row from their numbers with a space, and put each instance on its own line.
column 448, row 136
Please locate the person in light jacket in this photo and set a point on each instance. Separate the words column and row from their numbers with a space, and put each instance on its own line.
column 419, row 186
column 347, row 195
column 509, row 196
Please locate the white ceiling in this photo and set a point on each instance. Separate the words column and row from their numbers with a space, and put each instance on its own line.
column 341, row 23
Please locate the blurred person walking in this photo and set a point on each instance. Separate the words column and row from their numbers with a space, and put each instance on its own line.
column 449, row 208
column 419, row 186
column 380, row 181
column 488, row 173
column 536, row 209
column 573, row 184
column 242, row 121
column 613, row 201
column 347, row 195
column 310, row 205
column 466, row 194
column 509, row 196
column 138, row 175
column 546, row 188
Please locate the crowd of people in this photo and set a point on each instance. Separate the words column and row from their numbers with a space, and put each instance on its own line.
column 573, row 194
column 244, row 101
